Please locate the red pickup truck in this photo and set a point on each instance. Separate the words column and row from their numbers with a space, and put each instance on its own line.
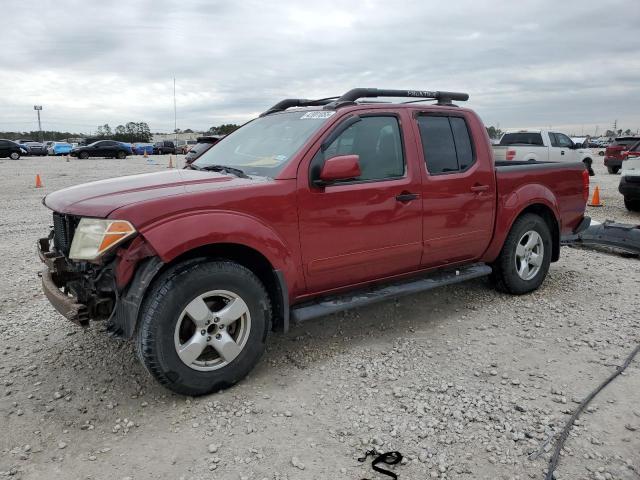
column 314, row 207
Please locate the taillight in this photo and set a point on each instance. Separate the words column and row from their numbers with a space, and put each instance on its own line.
column 511, row 154
column 585, row 185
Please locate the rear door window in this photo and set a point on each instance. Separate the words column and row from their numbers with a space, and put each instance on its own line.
column 446, row 144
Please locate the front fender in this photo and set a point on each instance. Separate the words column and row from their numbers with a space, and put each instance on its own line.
column 176, row 235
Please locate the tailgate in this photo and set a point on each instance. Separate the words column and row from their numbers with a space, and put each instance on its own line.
column 499, row 153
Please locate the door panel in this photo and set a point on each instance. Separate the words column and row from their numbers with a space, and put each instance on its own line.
column 458, row 191
column 359, row 231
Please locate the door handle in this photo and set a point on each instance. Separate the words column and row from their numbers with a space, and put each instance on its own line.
column 479, row 188
column 406, row 197
column 561, row 152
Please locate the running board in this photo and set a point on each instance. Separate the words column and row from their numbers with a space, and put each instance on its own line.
column 347, row 301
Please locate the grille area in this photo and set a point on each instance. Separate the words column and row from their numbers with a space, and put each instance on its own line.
column 64, row 227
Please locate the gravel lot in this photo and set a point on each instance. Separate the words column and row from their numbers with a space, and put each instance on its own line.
column 464, row 381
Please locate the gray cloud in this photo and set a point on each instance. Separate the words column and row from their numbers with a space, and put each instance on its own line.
column 529, row 63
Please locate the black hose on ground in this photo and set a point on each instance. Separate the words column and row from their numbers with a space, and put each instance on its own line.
column 553, row 462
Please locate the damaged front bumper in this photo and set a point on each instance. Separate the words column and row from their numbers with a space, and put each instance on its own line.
column 78, row 291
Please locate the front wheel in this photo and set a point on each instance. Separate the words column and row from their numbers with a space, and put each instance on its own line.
column 83, row 155
column 14, row 156
column 121, row 155
column 203, row 326
column 632, row 204
column 525, row 257
column 613, row 170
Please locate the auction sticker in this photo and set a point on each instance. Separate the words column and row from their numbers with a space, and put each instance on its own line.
column 317, row 114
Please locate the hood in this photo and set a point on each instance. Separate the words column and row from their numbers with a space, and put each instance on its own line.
column 99, row 199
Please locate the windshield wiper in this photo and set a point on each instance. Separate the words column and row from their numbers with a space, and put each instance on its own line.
column 225, row 169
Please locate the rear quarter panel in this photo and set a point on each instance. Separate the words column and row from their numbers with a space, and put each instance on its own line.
column 557, row 186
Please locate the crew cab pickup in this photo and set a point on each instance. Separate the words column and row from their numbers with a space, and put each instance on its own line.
column 314, row 207
column 542, row 145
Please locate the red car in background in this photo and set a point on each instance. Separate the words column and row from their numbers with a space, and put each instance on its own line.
column 613, row 154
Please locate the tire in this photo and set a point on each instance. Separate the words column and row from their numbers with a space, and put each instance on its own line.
column 83, row 155
column 601, row 153
column 166, row 328
column 506, row 268
column 613, row 170
column 587, row 162
column 632, row 204
column 14, row 156
column 121, row 155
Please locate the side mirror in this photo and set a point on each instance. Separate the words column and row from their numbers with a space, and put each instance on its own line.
column 343, row 167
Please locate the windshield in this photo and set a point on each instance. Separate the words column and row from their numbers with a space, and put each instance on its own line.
column 265, row 145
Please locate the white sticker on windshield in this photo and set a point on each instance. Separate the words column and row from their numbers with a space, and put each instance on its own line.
column 317, row 114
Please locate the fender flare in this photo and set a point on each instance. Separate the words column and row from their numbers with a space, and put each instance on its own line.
column 512, row 206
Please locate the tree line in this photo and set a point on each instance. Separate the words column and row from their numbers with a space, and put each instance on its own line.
column 129, row 132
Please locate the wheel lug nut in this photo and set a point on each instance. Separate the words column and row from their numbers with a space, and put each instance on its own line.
column 208, row 339
column 216, row 320
column 221, row 326
column 203, row 332
column 218, row 336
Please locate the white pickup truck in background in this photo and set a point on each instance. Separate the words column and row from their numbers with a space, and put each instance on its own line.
column 541, row 145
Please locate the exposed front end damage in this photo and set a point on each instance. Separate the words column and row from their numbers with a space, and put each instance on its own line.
column 82, row 290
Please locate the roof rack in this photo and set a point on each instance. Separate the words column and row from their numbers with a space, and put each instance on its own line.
column 349, row 98
column 297, row 102
column 444, row 98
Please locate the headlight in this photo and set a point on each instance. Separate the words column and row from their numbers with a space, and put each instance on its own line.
column 94, row 236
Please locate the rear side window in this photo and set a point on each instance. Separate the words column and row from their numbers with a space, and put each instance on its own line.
column 446, row 144
column 522, row 138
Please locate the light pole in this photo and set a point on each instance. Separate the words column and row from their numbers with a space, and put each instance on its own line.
column 37, row 108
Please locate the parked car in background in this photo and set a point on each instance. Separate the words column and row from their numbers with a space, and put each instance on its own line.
column 22, row 141
column 613, row 154
column 140, row 148
column 59, row 148
column 36, row 148
column 102, row 148
column 629, row 185
column 298, row 214
column 541, row 145
column 164, row 147
column 11, row 149
column 185, row 147
column 203, row 145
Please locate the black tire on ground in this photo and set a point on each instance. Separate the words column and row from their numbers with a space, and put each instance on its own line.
column 588, row 162
column 14, row 156
column 121, row 155
column 601, row 153
column 632, row 204
column 161, row 311
column 613, row 170
column 83, row 155
column 505, row 268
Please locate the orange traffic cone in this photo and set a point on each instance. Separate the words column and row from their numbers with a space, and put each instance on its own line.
column 146, row 155
column 38, row 181
column 170, row 161
column 595, row 200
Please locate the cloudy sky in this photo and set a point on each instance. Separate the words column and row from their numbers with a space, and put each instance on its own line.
column 573, row 65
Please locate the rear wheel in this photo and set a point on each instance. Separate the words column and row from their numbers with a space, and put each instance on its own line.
column 203, row 326
column 14, row 156
column 587, row 163
column 525, row 257
column 121, row 155
column 83, row 155
column 613, row 170
column 632, row 204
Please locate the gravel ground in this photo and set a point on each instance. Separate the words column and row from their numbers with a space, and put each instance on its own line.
column 466, row 382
